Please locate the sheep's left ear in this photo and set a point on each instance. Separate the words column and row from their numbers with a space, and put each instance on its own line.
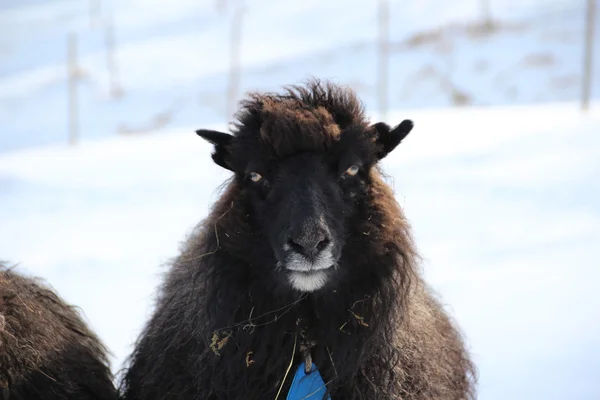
column 221, row 141
column 388, row 138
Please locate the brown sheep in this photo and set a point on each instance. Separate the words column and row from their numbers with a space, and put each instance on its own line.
column 46, row 350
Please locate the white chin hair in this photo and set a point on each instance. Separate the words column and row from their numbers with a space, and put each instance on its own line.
column 296, row 262
column 307, row 281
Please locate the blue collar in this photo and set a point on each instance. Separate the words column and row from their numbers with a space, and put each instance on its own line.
column 307, row 386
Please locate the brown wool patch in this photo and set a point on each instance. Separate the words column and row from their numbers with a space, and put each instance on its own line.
column 289, row 126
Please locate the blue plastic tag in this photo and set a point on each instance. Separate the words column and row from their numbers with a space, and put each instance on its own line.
column 307, row 387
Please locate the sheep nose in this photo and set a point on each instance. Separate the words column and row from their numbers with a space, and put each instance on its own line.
column 311, row 240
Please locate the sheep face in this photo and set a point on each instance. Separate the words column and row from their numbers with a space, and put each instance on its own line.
column 305, row 202
column 302, row 202
column 305, row 177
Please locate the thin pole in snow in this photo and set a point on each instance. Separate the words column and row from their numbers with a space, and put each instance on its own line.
column 383, row 81
column 73, row 112
column 588, row 55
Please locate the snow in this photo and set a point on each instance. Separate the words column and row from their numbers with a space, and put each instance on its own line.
column 503, row 196
column 504, row 203
column 179, row 55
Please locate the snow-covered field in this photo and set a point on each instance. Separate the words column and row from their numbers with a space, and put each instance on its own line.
column 504, row 202
column 172, row 58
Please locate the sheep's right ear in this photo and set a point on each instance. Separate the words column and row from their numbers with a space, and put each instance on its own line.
column 221, row 141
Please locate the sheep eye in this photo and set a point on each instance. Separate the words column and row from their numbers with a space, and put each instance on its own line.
column 255, row 177
column 353, row 170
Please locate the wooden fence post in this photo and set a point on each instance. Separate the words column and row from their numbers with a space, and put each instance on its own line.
column 586, row 84
column 111, row 65
column 73, row 112
column 383, row 69
column 486, row 13
column 94, row 9
column 234, row 61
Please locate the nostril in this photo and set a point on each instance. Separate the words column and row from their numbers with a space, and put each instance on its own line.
column 305, row 248
column 295, row 246
column 323, row 244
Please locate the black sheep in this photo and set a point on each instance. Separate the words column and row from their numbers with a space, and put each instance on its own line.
column 306, row 256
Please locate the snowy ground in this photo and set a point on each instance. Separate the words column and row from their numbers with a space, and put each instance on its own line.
column 172, row 61
column 504, row 202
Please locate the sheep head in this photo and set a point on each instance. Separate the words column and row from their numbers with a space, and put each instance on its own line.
column 305, row 162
